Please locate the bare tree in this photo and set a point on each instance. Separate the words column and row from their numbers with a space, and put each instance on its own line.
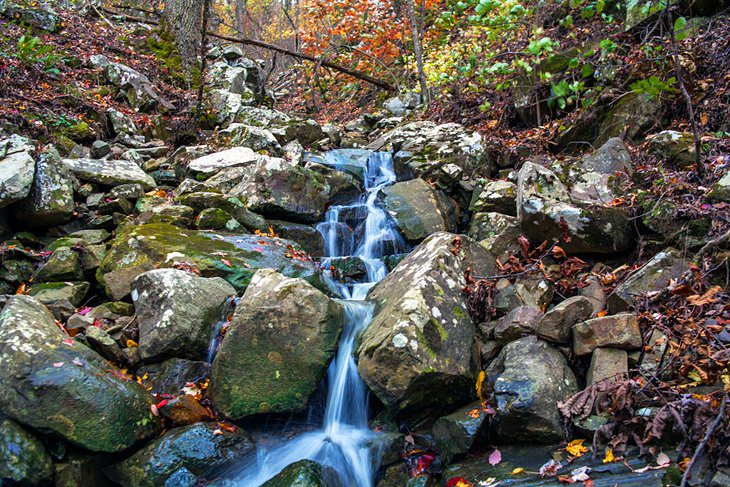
column 183, row 18
column 418, row 51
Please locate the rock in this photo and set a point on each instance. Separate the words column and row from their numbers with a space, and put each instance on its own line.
column 496, row 197
column 607, row 363
column 497, row 233
column 185, row 409
column 201, row 449
column 458, row 432
column 141, row 248
column 100, row 149
column 284, row 332
column 228, row 78
column 654, row 351
column 518, row 322
column 655, row 275
column 278, row 189
column 100, row 341
column 262, row 117
column 24, row 460
column 81, row 470
column 90, row 252
column 306, row 236
column 17, row 169
column 109, row 172
column 213, row 163
column 534, row 291
column 721, row 189
column 82, row 399
column 611, row 157
column 63, row 265
column 52, row 292
column 305, row 473
column 120, row 123
column 176, row 311
column 418, row 209
column 226, row 107
column 134, row 86
column 126, row 191
column 344, row 188
column 50, row 200
column 170, row 376
column 37, row 14
column 402, row 104
column 306, row 132
column 557, row 323
column 674, row 147
column 617, row 331
column 630, row 117
column 254, row 138
column 637, row 11
column 546, row 212
column 433, row 146
column 531, row 377
column 595, row 293
column 417, row 354
column 216, row 219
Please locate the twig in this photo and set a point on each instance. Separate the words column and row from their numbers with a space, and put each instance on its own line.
column 703, row 443
column 712, row 244
column 533, row 267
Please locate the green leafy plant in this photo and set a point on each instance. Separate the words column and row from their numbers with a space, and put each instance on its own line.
column 653, row 86
column 32, row 52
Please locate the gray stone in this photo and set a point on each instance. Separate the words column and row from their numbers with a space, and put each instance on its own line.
column 170, row 376
column 52, row 292
column 63, row 265
column 418, row 209
column 120, row 123
column 305, row 473
column 100, row 149
column 721, row 189
column 104, row 345
column 611, row 157
column 557, row 323
column 607, row 363
column 24, row 460
column 17, row 169
column 518, row 322
column 176, row 311
column 254, row 138
column 497, row 233
column 458, row 432
column 109, row 172
column 496, row 197
column 213, row 163
column 616, row 331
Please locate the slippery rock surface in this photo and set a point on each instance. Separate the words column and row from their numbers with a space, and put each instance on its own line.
column 417, row 355
column 109, row 172
column 530, row 378
column 175, row 311
column 283, row 334
column 546, row 212
column 189, row 452
column 305, row 473
column 57, row 385
column 141, row 248
column 17, row 169
column 50, row 200
column 418, row 209
column 24, row 460
column 458, row 432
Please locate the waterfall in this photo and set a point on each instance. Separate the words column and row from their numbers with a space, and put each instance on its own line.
column 361, row 229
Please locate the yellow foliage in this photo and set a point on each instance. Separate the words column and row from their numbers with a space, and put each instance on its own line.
column 576, row 448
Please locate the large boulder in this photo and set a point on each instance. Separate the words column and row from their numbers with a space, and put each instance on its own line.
column 17, row 169
column 135, row 87
column 109, row 172
column 429, row 148
column 418, row 209
column 196, row 452
column 547, row 212
column 24, row 460
column 55, row 384
column 254, row 138
column 495, row 197
column 212, row 163
column 141, row 248
column 176, row 311
column 36, row 14
column 530, row 378
column 305, row 473
column 497, row 233
column 418, row 354
column 50, row 200
column 283, row 334
column 629, row 118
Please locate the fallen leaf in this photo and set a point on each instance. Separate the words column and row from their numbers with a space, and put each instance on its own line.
column 131, row 343
column 517, row 471
column 478, row 386
column 58, row 364
column 609, row 456
column 580, row 474
column 663, row 460
column 495, row 457
column 576, row 448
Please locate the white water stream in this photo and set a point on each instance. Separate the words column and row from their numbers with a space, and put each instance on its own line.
column 344, row 442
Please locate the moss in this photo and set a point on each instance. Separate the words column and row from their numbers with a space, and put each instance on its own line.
column 79, row 132
column 163, row 47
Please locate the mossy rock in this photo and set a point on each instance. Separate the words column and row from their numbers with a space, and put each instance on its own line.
column 139, row 248
column 78, row 132
column 24, row 460
column 305, row 473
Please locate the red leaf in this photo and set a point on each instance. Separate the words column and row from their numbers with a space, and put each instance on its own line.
column 424, row 462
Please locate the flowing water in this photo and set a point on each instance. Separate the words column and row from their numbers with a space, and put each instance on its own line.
column 361, row 229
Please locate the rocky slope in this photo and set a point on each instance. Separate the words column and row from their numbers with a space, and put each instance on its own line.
column 525, row 313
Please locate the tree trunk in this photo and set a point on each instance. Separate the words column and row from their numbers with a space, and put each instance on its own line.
column 183, row 19
column 205, row 14
column 418, row 51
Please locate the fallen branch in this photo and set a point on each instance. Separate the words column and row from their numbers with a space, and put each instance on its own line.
column 270, row 47
column 703, row 443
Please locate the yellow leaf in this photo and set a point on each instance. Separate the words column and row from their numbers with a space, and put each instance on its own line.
column 576, row 448
column 480, row 381
column 131, row 343
column 518, row 471
column 609, row 456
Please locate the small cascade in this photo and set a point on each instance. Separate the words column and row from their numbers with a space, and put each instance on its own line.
column 219, row 327
column 361, row 229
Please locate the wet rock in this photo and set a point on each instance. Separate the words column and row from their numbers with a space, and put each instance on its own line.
column 50, row 200
column 458, row 432
column 557, row 323
column 495, row 197
column 53, row 292
column 170, row 376
column 17, row 169
column 497, row 233
column 518, row 322
column 546, row 212
column 283, row 330
column 176, row 311
column 306, row 236
column 24, row 460
column 305, row 473
column 617, row 331
column 607, row 363
column 100, row 341
column 141, row 248
column 418, row 209
column 109, row 172
column 216, row 219
column 201, row 449
column 55, row 384
column 185, row 409
column 531, row 377
column 655, row 275
column 235, row 157
column 344, row 188
column 418, row 354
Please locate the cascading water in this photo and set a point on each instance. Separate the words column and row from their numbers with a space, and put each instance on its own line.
column 361, row 229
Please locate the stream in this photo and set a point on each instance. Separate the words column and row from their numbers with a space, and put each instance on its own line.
column 364, row 230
